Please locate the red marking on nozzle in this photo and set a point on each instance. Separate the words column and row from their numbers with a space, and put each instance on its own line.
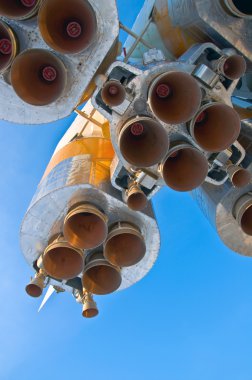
column 5, row 46
column 28, row 3
column 174, row 154
column 74, row 29
column 49, row 73
column 163, row 90
column 201, row 117
column 113, row 90
column 137, row 129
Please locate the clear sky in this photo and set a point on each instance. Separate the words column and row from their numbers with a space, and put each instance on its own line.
column 189, row 319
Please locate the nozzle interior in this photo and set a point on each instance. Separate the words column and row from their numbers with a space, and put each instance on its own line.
column 143, row 142
column 100, row 277
column 125, row 246
column 7, row 46
column 34, row 290
column 20, row 9
column 90, row 313
column 246, row 221
column 216, row 127
column 62, row 261
column 67, row 26
column 113, row 93
column 241, row 178
column 234, row 67
column 38, row 77
column 175, row 97
column 85, row 227
column 136, row 199
column 185, row 168
column 243, row 6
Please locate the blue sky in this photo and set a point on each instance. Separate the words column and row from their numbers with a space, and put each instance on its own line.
column 189, row 319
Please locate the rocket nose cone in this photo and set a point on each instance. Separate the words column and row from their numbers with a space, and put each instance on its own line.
column 175, row 97
column 67, row 26
column 143, row 142
column 38, row 77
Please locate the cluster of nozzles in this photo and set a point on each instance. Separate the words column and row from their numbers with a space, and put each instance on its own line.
column 88, row 247
column 176, row 98
column 38, row 76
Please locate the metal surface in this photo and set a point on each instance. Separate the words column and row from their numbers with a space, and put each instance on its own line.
column 160, row 115
column 66, row 185
column 138, row 90
column 217, row 204
column 80, row 68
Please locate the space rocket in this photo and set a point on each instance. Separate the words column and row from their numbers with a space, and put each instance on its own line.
column 172, row 107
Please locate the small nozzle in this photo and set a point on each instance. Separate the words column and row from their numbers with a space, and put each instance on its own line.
column 143, row 142
column 67, row 26
column 243, row 213
column 232, row 67
column 99, row 276
column 19, row 9
column 8, row 46
column 62, row 261
column 38, row 77
column 113, row 93
column 89, row 309
column 174, row 97
column 36, row 286
column 85, row 226
column 136, row 199
column 215, row 127
column 239, row 177
column 185, row 167
column 240, row 8
column 125, row 245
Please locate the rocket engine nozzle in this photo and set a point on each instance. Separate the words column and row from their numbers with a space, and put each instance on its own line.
column 38, row 77
column 124, row 246
column 8, row 46
column 136, row 199
column 62, row 261
column 174, row 97
column 85, row 226
column 100, row 277
column 239, row 177
column 89, row 309
column 185, row 167
column 143, row 142
column 215, row 127
column 67, row 26
column 232, row 67
column 36, row 286
column 240, row 8
column 243, row 213
column 19, row 9
column 113, row 93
